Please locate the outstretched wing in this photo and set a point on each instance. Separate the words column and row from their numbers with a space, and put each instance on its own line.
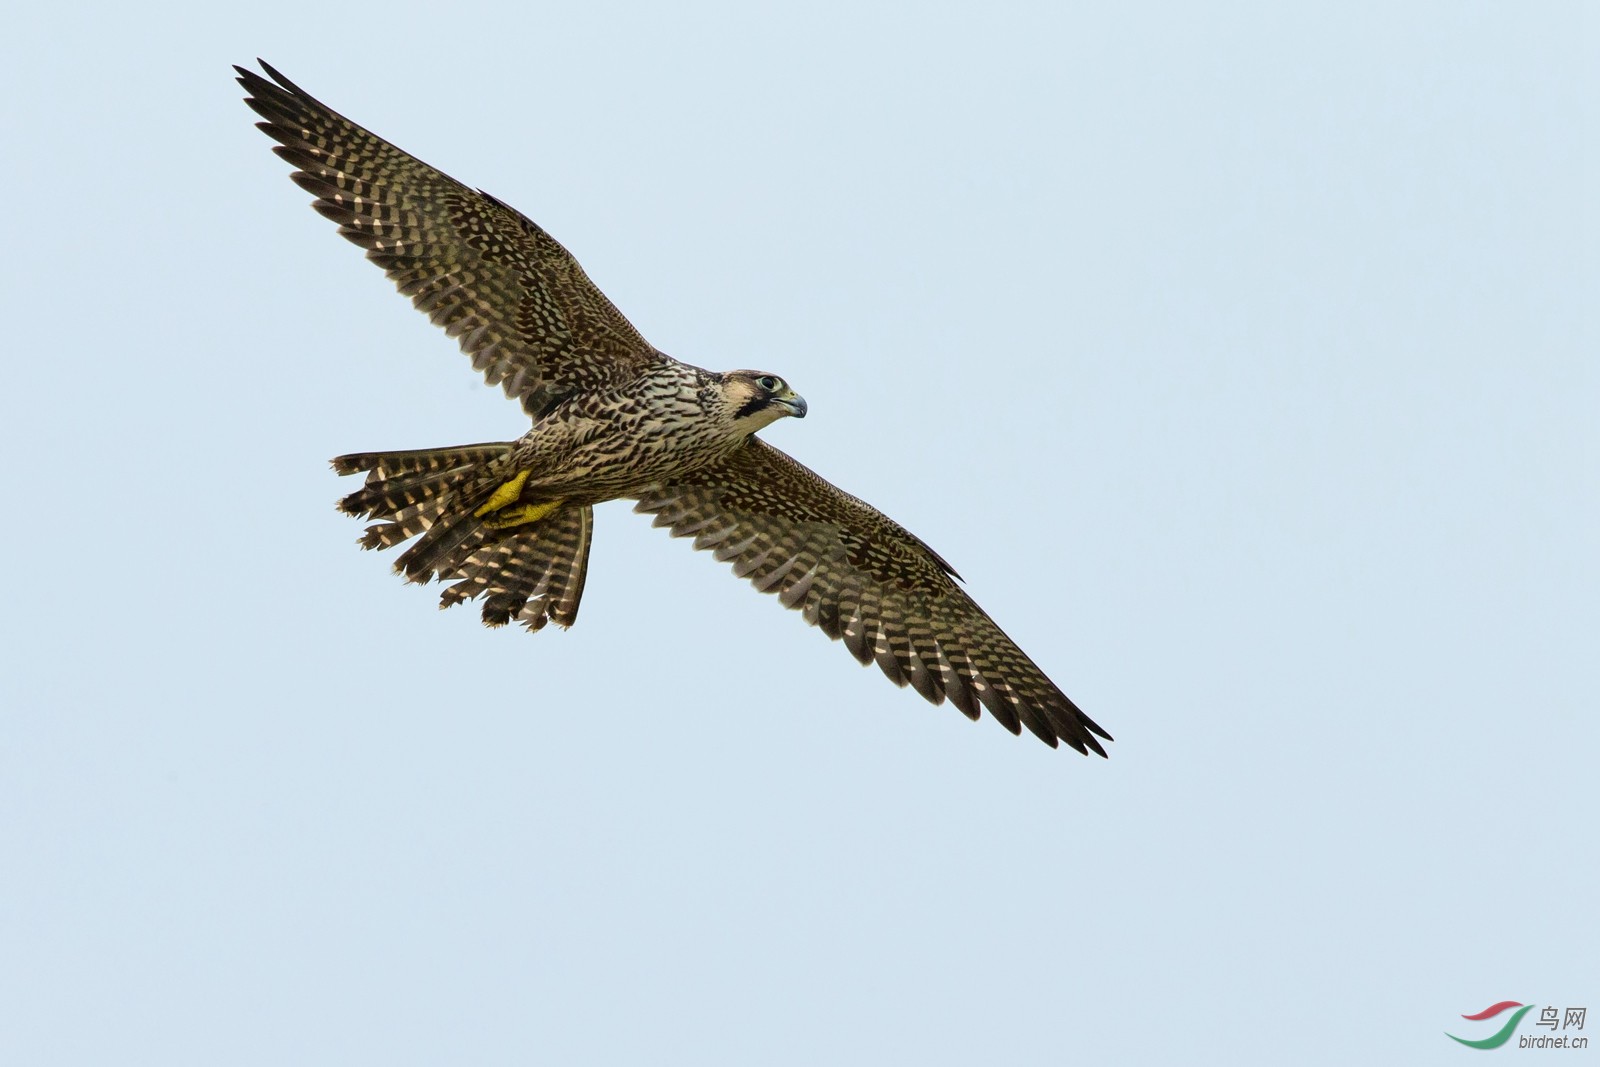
column 865, row 579
column 517, row 301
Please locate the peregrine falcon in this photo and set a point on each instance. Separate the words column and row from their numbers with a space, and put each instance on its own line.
column 508, row 523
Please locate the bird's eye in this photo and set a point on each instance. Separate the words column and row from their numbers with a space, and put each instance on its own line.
column 768, row 382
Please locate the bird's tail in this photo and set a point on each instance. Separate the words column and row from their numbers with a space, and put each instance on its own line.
column 532, row 573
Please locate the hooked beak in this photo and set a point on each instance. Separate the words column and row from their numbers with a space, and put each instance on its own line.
column 792, row 402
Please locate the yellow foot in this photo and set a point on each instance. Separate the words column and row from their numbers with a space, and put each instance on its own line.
column 503, row 495
column 520, row 516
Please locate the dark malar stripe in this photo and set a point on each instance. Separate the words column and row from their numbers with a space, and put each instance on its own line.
column 752, row 406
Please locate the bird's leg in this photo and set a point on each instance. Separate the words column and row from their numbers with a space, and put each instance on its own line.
column 520, row 515
column 506, row 494
column 497, row 512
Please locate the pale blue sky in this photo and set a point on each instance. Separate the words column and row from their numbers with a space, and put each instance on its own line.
column 1243, row 358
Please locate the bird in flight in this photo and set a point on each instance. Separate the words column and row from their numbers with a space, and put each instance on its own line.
column 508, row 523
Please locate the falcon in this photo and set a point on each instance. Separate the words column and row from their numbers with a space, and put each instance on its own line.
column 508, row 523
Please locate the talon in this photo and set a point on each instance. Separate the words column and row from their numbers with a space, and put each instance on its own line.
column 520, row 516
column 506, row 494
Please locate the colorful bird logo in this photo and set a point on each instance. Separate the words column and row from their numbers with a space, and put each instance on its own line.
column 1495, row 1040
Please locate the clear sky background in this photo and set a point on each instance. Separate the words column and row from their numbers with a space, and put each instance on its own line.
column 1243, row 357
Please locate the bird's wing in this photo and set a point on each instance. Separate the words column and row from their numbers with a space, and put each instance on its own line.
column 516, row 300
column 863, row 578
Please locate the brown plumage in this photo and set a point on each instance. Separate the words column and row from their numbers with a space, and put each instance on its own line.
column 509, row 523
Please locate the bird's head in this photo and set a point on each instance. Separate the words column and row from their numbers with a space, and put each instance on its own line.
column 758, row 399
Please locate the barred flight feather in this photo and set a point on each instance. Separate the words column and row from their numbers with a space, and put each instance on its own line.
column 867, row 582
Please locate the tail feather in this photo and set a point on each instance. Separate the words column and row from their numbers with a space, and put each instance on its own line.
column 402, row 484
column 381, row 535
column 532, row 573
column 452, row 537
column 418, row 460
column 412, row 491
column 402, row 491
column 403, row 522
